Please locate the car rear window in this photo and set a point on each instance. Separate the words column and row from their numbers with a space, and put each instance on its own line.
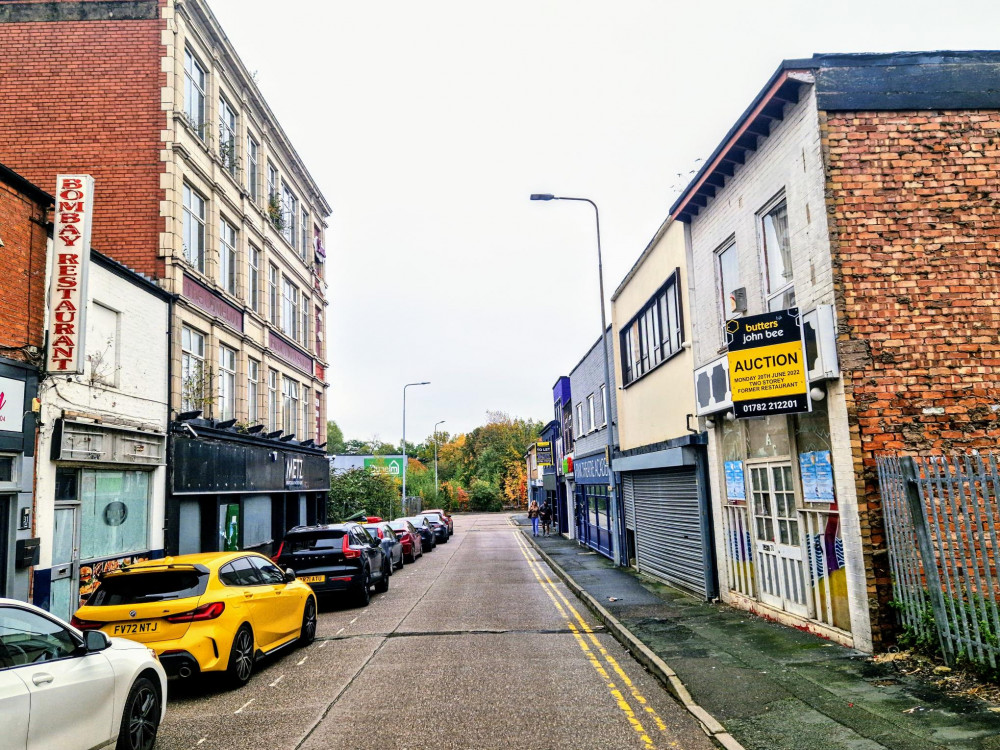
column 152, row 586
column 315, row 541
column 400, row 529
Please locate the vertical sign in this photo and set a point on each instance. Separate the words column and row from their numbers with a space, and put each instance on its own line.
column 543, row 452
column 70, row 266
column 767, row 364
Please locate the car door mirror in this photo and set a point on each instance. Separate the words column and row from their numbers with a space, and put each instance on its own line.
column 95, row 640
column 289, row 575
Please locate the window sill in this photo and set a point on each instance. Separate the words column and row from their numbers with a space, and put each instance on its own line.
column 654, row 368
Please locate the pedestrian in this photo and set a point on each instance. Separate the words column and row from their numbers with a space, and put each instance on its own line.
column 533, row 515
column 545, row 513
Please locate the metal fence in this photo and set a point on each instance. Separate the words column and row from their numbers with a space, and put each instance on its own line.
column 942, row 520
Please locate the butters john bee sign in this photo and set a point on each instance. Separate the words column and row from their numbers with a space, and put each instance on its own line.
column 71, row 263
column 767, row 364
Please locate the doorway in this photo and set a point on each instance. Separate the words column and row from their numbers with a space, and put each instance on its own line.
column 64, row 595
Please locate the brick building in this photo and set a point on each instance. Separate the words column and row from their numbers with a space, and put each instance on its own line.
column 24, row 242
column 862, row 190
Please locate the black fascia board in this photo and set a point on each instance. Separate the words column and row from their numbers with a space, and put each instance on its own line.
column 215, row 433
column 30, row 189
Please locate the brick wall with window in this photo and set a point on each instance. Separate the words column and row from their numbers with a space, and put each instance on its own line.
column 911, row 202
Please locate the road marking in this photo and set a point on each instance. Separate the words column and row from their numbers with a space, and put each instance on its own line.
column 200, row 741
column 301, row 661
column 277, row 681
column 240, row 709
column 339, row 631
column 353, row 621
column 550, row 588
column 323, row 644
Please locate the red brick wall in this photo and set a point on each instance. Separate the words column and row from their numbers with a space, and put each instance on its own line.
column 22, row 272
column 84, row 96
column 913, row 202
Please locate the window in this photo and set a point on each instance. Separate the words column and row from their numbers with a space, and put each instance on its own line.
column 304, row 249
column 579, row 421
column 590, row 411
column 320, row 434
column 227, row 256
column 103, row 334
column 654, row 334
column 194, row 228
column 253, row 175
column 272, row 400
column 239, row 573
column 268, row 571
column 305, row 319
column 253, row 385
column 128, row 494
column 194, row 93
column 227, row 382
column 290, row 208
column 227, row 135
column 604, row 405
column 290, row 309
column 253, row 278
column 318, row 331
column 777, row 258
column 272, row 282
column 31, row 639
column 729, row 280
column 290, row 406
column 192, row 369
column 8, row 471
column 272, row 181
column 305, row 413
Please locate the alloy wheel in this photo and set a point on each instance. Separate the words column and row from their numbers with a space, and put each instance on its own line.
column 244, row 655
column 143, row 719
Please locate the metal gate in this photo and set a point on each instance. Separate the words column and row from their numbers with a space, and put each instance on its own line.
column 669, row 538
column 628, row 497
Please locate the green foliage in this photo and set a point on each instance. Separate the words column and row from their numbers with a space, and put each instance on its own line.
column 484, row 496
column 334, row 438
column 362, row 489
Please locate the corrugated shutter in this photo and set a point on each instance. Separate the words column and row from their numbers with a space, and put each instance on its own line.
column 628, row 495
column 668, row 531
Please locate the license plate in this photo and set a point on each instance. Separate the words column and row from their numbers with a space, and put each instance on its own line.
column 132, row 628
column 312, row 579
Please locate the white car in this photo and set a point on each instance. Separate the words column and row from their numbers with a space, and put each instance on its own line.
column 61, row 688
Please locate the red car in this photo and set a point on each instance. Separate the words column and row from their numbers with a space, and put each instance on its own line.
column 410, row 538
column 445, row 516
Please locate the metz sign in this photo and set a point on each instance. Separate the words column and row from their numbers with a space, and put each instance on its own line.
column 767, row 364
column 71, row 264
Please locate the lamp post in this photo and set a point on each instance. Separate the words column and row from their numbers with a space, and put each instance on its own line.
column 436, row 461
column 613, row 500
column 402, row 501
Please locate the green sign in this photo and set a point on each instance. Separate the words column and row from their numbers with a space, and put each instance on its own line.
column 391, row 465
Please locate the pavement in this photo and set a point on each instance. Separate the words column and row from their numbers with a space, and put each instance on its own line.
column 476, row 645
column 766, row 686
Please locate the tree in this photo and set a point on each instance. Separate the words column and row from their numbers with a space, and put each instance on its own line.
column 515, row 486
column 334, row 438
column 484, row 496
column 361, row 490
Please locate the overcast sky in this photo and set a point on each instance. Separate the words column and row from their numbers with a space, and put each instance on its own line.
column 427, row 123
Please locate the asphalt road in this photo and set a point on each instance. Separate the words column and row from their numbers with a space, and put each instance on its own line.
column 476, row 645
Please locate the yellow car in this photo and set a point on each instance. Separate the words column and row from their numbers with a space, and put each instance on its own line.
column 209, row 612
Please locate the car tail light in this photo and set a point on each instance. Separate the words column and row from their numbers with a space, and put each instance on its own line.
column 84, row 624
column 381, row 535
column 348, row 552
column 277, row 554
column 204, row 612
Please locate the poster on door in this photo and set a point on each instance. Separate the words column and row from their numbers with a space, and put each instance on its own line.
column 816, row 468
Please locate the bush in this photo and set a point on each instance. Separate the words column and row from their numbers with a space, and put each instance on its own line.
column 484, row 496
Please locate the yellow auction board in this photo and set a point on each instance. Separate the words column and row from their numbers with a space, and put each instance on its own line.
column 767, row 364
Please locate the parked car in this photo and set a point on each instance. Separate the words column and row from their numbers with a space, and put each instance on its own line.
column 409, row 537
column 336, row 559
column 447, row 518
column 426, row 531
column 438, row 525
column 391, row 545
column 207, row 612
column 67, row 689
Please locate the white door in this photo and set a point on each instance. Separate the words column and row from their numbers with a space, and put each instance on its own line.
column 14, row 703
column 781, row 572
column 71, row 695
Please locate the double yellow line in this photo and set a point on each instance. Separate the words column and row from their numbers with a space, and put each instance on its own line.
column 595, row 649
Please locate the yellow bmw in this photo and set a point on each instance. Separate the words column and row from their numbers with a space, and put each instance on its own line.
column 208, row 612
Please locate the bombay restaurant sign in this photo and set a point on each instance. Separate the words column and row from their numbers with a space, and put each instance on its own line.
column 767, row 364
column 71, row 262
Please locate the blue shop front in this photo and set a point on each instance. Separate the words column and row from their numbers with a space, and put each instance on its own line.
column 593, row 510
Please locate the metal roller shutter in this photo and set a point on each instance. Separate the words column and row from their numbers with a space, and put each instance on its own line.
column 628, row 495
column 668, row 530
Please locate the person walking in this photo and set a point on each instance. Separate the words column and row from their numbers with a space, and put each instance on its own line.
column 545, row 513
column 533, row 515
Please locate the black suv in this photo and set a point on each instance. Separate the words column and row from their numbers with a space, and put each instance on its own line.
column 336, row 558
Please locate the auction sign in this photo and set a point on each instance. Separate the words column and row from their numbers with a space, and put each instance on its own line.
column 71, row 263
column 767, row 364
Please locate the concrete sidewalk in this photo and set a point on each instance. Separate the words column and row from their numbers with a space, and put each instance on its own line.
column 771, row 686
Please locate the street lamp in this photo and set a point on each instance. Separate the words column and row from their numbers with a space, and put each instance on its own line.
column 436, row 461
column 405, row 458
column 615, row 541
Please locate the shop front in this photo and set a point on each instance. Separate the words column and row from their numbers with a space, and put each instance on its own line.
column 593, row 508
column 229, row 490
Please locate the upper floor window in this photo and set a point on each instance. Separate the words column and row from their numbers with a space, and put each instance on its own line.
column 227, row 256
column 604, row 405
column 272, row 181
column 304, row 247
column 777, row 258
column 654, row 334
column 290, row 309
column 227, row 382
column 272, row 400
column 253, row 161
column 253, row 278
column 290, row 407
column 194, row 93
column 728, row 267
column 290, row 206
column 579, row 421
column 253, row 386
column 591, row 412
column 227, row 135
column 194, row 228
column 193, row 374
column 272, row 295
